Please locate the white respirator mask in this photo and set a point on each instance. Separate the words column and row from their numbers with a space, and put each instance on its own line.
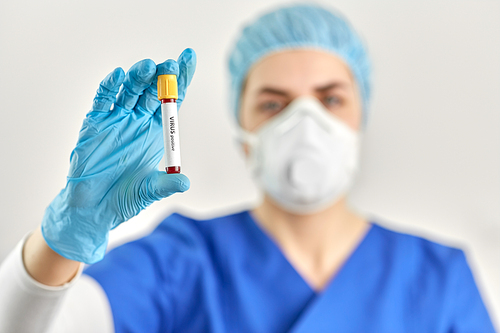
column 304, row 158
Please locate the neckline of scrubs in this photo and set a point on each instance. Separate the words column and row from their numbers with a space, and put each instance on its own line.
column 266, row 238
column 346, row 290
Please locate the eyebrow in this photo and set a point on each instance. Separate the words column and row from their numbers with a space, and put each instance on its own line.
column 274, row 91
column 328, row 86
column 332, row 85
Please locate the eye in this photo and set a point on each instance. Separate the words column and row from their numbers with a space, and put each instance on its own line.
column 332, row 101
column 271, row 106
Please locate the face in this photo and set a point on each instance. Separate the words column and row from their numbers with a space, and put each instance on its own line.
column 280, row 78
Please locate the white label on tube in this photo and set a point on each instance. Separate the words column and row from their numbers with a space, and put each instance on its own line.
column 171, row 134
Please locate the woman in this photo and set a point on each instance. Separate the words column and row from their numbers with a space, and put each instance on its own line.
column 300, row 261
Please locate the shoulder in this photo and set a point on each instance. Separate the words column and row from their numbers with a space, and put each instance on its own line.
column 419, row 254
column 418, row 259
column 179, row 241
column 160, row 275
column 187, row 230
column 188, row 237
column 428, row 270
column 432, row 273
column 436, row 280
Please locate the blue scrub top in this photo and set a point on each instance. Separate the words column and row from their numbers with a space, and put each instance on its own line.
column 227, row 275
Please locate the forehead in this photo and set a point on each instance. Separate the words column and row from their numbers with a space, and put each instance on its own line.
column 298, row 69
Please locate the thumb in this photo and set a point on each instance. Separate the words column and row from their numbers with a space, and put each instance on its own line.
column 187, row 66
column 164, row 184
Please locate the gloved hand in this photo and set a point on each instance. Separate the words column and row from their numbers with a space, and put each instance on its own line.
column 114, row 168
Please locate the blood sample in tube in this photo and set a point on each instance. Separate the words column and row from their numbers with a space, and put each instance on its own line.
column 167, row 94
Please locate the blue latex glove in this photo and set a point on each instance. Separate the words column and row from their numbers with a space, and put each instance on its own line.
column 114, row 168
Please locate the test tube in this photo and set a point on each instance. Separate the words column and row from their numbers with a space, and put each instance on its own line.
column 167, row 94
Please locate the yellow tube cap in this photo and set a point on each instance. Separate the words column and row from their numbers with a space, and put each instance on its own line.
column 167, row 86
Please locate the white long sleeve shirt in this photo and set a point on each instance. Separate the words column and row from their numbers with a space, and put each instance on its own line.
column 27, row 306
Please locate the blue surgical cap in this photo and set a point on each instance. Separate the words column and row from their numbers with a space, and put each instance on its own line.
column 299, row 27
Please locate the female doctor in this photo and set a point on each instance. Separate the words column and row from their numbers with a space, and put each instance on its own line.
column 300, row 261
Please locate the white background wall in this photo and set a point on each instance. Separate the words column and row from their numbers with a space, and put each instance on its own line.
column 431, row 160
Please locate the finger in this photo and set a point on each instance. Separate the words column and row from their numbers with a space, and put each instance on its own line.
column 108, row 88
column 163, row 185
column 168, row 67
column 187, row 67
column 138, row 79
column 149, row 102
